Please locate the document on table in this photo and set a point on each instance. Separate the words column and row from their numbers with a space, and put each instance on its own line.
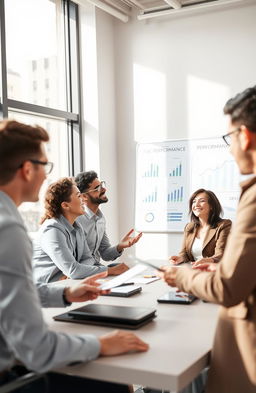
column 115, row 282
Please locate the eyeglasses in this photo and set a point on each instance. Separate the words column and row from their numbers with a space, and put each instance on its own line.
column 98, row 188
column 227, row 137
column 48, row 166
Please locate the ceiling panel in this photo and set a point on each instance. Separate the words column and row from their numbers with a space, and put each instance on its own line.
column 123, row 9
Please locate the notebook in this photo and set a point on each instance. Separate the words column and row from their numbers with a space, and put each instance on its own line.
column 109, row 315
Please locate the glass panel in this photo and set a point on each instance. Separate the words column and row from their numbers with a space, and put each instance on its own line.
column 74, row 56
column 57, row 152
column 35, row 52
column 1, row 76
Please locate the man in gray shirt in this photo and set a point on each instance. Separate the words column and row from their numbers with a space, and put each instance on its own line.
column 94, row 224
column 24, row 336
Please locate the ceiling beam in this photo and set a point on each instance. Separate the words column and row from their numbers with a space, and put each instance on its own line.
column 176, row 4
column 105, row 7
column 190, row 8
column 121, row 6
column 136, row 4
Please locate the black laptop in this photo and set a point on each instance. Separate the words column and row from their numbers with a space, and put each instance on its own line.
column 107, row 315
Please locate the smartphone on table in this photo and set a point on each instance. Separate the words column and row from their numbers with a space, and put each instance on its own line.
column 177, row 297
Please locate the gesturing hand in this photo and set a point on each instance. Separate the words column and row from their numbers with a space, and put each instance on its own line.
column 206, row 266
column 169, row 275
column 175, row 260
column 87, row 289
column 128, row 240
column 118, row 269
column 202, row 260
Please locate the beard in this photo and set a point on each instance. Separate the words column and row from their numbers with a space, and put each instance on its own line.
column 99, row 200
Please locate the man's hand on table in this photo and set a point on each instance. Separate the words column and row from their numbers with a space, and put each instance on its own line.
column 118, row 342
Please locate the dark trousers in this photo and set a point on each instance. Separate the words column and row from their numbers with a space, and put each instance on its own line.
column 54, row 382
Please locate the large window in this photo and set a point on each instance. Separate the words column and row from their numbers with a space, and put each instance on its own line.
column 40, row 79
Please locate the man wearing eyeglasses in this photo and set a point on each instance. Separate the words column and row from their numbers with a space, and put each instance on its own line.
column 25, row 339
column 93, row 192
column 233, row 285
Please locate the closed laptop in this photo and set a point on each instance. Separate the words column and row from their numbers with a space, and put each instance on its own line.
column 109, row 315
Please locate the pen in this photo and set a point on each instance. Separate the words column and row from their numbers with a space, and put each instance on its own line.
column 149, row 276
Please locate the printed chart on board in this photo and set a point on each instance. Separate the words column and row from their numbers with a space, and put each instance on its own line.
column 169, row 172
column 213, row 168
column 162, row 186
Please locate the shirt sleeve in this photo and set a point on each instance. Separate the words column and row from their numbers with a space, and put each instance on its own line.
column 54, row 243
column 50, row 296
column 22, row 325
column 108, row 252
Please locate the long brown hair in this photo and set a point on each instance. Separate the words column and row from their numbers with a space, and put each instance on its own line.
column 57, row 192
column 216, row 210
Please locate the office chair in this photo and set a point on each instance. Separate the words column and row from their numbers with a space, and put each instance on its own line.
column 20, row 382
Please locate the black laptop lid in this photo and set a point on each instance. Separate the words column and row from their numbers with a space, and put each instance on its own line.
column 104, row 312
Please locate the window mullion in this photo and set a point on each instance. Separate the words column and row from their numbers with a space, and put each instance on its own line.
column 4, row 105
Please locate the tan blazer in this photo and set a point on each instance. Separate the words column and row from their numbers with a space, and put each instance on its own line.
column 214, row 242
column 233, row 286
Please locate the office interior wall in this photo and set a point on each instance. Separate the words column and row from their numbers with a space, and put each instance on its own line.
column 98, row 105
column 172, row 78
column 107, row 120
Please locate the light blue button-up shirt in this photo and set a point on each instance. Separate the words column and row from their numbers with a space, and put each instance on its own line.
column 61, row 249
column 98, row 245
column 24, row 335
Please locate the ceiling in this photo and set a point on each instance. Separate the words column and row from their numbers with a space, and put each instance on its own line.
column 144, row 9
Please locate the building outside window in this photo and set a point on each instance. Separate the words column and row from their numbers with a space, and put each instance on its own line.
column 37, row 79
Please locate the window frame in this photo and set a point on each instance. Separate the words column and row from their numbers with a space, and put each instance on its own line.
column 73, row 78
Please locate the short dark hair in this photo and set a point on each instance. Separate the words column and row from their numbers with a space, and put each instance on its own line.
column 85, row 179
column 216, row 209
column 18, row 143
column 242, row 109
column 57, row 192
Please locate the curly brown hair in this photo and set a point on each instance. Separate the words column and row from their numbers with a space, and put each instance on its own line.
column 57, row 192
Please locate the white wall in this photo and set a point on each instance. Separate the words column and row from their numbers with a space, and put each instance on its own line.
column 172, row 78
column 98, row 93
column 107, row 120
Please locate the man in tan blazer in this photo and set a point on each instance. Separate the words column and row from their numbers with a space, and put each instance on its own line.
column 233, row 285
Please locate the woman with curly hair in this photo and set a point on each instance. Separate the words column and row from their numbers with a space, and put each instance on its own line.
column 59, row 249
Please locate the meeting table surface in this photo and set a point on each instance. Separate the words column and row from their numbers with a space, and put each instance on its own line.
column 180, row 340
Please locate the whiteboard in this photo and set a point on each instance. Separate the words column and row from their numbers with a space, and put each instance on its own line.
column 168, row 172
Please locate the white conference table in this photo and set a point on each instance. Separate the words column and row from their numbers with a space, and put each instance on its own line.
column 180, row 339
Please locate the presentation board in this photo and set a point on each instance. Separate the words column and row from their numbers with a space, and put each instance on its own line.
column 168, row 172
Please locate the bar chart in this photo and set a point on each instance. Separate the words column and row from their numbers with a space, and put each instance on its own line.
column 151, row 197
column 175, row 195
column 152, row 171
column 176, row 171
